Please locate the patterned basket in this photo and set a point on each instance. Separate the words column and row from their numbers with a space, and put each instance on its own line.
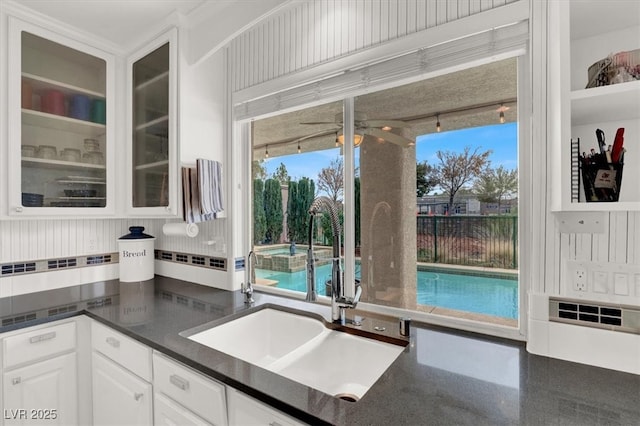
column 617, row 68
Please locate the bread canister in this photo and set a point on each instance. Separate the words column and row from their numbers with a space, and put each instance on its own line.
column 136, row 255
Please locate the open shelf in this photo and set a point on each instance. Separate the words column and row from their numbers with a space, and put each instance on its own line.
column 607, row 103
column 59, row 122
column 158, row 166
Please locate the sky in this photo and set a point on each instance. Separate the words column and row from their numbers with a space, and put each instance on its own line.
column 501, row 139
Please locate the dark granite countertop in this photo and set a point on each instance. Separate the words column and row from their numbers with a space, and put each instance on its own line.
column 443, row 376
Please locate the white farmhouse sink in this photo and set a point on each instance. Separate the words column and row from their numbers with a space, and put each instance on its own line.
column 261, row 337
column 304, row 350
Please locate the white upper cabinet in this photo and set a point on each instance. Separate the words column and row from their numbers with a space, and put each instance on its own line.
column 61, row 128
column 152, row 172
column 588, row 36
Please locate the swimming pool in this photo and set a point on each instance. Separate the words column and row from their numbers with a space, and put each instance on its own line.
column 468, row 293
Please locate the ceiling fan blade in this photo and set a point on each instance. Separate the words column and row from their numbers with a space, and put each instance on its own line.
column 391, row 123
column 391, row 137
column 318, row 134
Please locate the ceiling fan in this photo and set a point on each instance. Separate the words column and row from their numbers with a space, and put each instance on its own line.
column 377, row 128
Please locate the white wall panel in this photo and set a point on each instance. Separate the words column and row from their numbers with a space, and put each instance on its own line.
column 633, row 250
column 45, row 239
column 315, row 31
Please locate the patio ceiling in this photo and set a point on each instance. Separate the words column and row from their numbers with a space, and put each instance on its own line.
column 464, row 99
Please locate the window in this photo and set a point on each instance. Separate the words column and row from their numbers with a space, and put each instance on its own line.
column 423, row 240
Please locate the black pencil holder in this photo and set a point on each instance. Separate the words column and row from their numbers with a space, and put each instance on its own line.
column 601, row 182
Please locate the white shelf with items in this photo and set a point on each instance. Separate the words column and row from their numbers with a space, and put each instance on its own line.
column 60, row 97
column 596, row 30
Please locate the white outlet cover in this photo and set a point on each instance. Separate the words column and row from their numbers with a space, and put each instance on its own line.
column 600, row 282
column 621, row 284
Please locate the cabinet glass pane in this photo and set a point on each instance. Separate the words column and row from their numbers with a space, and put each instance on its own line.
column 151, row 129
column 63, row 125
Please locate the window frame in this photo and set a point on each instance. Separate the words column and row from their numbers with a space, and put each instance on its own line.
column 525, row 219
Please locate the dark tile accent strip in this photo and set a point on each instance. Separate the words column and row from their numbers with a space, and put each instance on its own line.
column 45, row 265
column 193, row 259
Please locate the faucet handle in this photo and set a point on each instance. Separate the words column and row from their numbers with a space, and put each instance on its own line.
column 247, row 290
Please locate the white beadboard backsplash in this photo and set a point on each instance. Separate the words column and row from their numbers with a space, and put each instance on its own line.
column 44, row 239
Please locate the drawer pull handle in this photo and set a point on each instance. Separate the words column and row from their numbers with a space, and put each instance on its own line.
column 113, row 342
column 42, row 337
column 137, row 396
column 274, row 424
column 16, row 380
column 179, row 382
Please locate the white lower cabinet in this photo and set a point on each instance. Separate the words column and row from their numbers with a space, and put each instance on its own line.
column 45, row 373
column 42, row 393
column 246, row 411
column 119, row 396
column 122, row 392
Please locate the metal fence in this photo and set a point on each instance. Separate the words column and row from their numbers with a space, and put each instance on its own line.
column 489, row 241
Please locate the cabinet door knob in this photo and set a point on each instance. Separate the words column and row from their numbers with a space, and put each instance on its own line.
column 113, row 342
column 179, row 382
column 137, row 396
column 16, row 380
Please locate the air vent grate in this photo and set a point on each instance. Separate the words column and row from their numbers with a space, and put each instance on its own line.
column 592, row 314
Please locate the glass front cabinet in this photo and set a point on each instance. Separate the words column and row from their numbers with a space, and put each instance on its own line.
column 61, row 138
column 152, row 164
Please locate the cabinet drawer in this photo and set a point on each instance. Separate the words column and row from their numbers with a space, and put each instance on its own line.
column 246, row 411
column 192, row 390
column 122, row 349
column 168, row 413
column 41, row 343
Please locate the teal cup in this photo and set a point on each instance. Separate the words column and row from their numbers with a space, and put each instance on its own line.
column 99, row 111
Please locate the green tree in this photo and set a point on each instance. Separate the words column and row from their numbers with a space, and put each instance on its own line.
column 306, row 195
column 496, row 184
column 292, row 211
column 425, row 178
column 281, row 174
column 273, row 210
column 459, row 169
column 258, row 169
column 259, row 220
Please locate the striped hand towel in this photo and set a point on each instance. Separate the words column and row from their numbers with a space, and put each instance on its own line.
column 210, row 186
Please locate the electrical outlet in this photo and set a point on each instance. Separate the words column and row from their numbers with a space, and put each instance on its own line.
column 92, row 244
column 580, row 279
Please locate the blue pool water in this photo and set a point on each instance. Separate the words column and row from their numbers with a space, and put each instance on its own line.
column 468, row 293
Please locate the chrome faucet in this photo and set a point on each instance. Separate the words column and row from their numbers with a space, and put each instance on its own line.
column 339, row 301
column 251, row 268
